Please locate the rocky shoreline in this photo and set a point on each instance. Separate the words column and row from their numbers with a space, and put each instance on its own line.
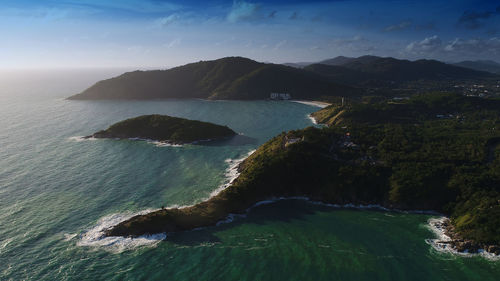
column 452, row 240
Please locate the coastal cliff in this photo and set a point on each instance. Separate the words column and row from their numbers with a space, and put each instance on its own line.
column 165, row 129
column 432, row 152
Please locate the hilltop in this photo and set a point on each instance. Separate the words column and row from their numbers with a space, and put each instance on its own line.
column 165, row 129
column 226, row 78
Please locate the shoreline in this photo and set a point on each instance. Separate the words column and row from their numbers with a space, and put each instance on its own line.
column 319, row 104
column 96, row 237
column 313, row 120
column 448, row 241
column 444, row 243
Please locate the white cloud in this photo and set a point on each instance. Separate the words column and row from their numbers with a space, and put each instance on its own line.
column 168, row 20
column 174, row 43
column 279, row 45
column 242, row 11
column 457, row 49
column 474, row 46
column 426, row 46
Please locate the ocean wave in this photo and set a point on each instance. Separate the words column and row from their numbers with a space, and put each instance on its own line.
column 319, row 104
column 150, row 141
column 163, row 144
column 231, row 173
column 313, row 120
column 69, row 236
column 5, row 243
column 441, row 243
column 94, row 237
column 81, row 138
column 156, row 142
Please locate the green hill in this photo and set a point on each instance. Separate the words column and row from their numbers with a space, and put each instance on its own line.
column 166, row 129
column 226, row 78
column 436, row 152
column 371, row 70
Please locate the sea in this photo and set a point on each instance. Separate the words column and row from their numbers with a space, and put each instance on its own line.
column 59, row 191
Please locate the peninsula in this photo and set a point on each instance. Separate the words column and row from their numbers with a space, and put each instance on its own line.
column 165, row 128
column 234, row 78
column 436, row 152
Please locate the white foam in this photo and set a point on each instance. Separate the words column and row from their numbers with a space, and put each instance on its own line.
column 5, row 244
column 319, row 104
column 231, row 173
column 313, row 120
column 441, row 243
column 156, row 142
column 163, row 144
column 81, row 138
column 69, row 236
column 94, row 237
column 150, row 141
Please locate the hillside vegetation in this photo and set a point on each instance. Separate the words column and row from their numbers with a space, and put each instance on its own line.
column 379, row 71
column 433, row 152
column 165, row 128
column 226, row 78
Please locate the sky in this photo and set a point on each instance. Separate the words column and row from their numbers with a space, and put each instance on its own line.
column 166, row 33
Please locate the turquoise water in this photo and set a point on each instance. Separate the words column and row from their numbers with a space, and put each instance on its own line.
column 55, row 189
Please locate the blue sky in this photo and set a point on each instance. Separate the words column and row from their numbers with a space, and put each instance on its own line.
column 158, row 33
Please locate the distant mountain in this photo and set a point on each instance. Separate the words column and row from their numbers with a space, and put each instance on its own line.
column 340, row 60
column 297, row 64
column 226, row 78
column 481, row 65
column 377, row 70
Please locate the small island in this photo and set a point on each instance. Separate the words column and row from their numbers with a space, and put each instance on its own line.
column 432, row 152
column 163, row 128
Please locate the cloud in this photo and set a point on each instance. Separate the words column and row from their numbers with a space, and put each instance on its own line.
column 474, row 46
column 279, row 45
column 243, row 11
column 72, row 9
column 173, row 43
column 400, row 26
column 457, row 49
column 168, row 20
column 425, row 47
column 476, row 20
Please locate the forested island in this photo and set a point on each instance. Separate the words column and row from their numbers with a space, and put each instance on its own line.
column 165, row 128
column 436, row 152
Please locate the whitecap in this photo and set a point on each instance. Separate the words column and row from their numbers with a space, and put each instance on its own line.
column 5, row 244
column 163, row 144
column 313, row 120
column 319, row 104
column 231, row 173
column 69, row 236
column 94, row 237
column 81, row 138
column 441, row 242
